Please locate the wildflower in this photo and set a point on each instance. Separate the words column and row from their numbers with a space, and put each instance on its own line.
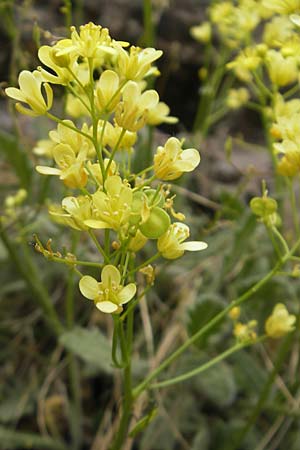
column 160, row 114
column 237, row 98
column 30, row 93
column 135, row 64
column 280, row 322
column 93, row 41
column 63, row 65
column 246, row 61
column 289, row 164
column 282, row 71
column 202, row 33
column 171, row 245
column 171, row 161
column 244, row 332
column 282, row 6
column 131, row 113
column 107, row 92
column 235, row 313
column 112, row 208
column 73, row 212
column 71, row 166
column 108, row 295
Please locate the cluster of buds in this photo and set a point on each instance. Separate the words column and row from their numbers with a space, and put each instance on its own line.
column 107, row 89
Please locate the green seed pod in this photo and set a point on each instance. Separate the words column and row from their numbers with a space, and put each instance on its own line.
column 157, row 224
column 263, row 206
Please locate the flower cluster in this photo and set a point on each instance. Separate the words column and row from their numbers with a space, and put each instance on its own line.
column 106, row 83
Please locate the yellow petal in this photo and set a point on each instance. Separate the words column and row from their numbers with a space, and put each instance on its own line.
column 45, row 170
column 193, row 246
column 96, row 224
column 89, row 287
column 127, row 293
column 107, row 307
column 110, row 274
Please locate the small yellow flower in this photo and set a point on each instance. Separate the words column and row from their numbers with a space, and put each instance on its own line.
column 244, row 332
column 60, row 65
column 235, row 313
column 246, row 61
column 202, row 33
column 132, row 112
column 280, row 322
column 171, row 245
column 160, row 114
column 71, row 166
column 108, row 295
column 135, row 64
column 282, row 6
column 107, row 94
column 289, row 164
column 91, row 42
column 237, row 98
column 171, row 161
column 30, row 93
column 111, row 209
column 73, row 212
column 282, row 71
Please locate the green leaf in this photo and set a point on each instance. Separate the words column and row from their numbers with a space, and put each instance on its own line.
column 90, row 345
column 206, row 307
column 16, row 156
column 217, row 385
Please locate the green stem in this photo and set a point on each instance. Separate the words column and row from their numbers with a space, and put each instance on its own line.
column 29, row 271
column 206, row 366
column 127, row 389
column 294, row 207
column 114, row 150
column 99, row 248
column 148, row 38
column 213, row 322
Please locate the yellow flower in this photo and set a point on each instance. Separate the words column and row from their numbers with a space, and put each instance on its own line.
column 282, row 6
column 112, row 208
column 282, row 71
column 277, row 31
column 108, row 295
column 60, row 65
column 30, row 93
column 171, row 161
column 107, row 95
column 280, row 322
column 237, row 98
column 135, row 64
column 289, row 165
column 235, row 313
column 160, row 114
column 112, row 133
column 71, row 166
column 202, row 33
column 171, row 245
column 73, row 212
column 92, row 42
column 246, row 61
column 244, row 332
column 132, row 112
